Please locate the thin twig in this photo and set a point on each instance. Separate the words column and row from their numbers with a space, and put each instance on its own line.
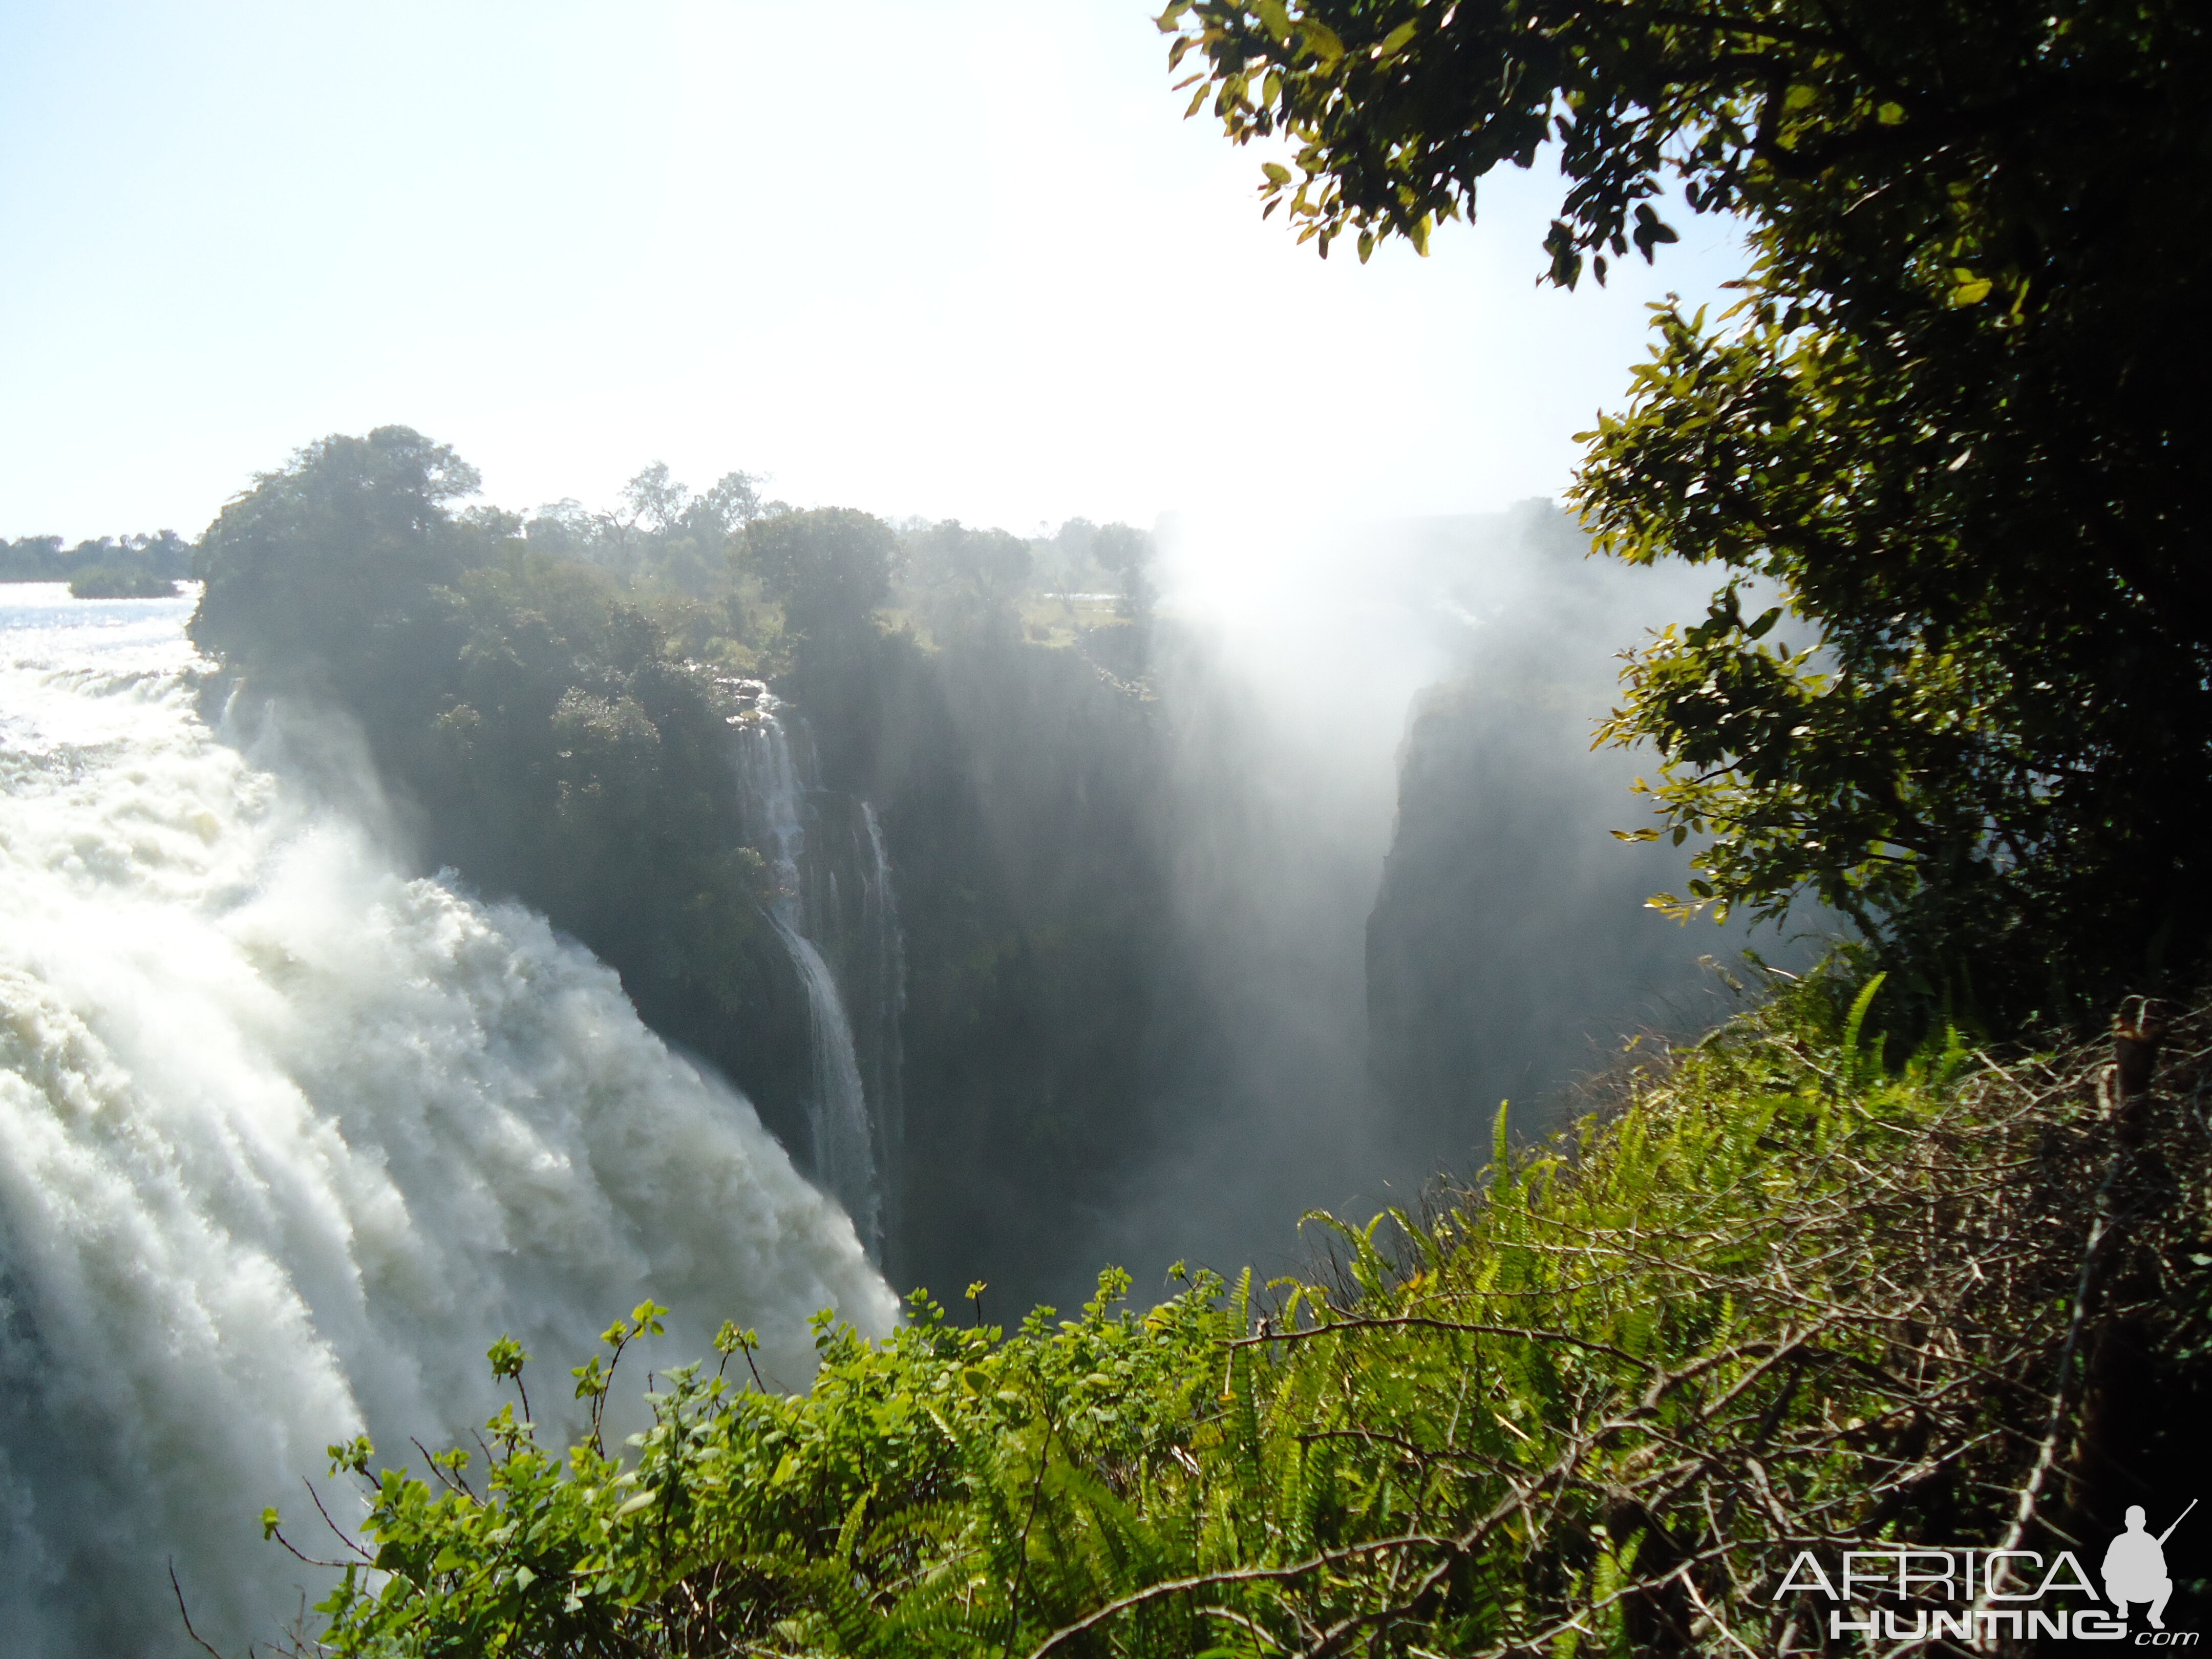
column 178, row 1590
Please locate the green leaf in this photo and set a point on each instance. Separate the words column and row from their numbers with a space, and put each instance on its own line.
column 1321, row 41
column 1856, row 1019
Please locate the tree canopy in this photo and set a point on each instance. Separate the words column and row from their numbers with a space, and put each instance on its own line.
column 969, row 581
column 313, row 567
column 1947, row 420
column 139, row 561
column 829, row 568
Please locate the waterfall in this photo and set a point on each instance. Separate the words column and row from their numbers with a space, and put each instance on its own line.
column 287, row 1138
column 883, row 965
column 853, row 1106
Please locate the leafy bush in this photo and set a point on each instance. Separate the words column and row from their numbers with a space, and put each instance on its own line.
column 1785, row 1299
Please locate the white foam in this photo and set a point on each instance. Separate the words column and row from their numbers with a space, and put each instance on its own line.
column 286, row 1138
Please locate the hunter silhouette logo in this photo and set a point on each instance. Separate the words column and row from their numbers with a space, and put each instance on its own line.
column 2134, row 1566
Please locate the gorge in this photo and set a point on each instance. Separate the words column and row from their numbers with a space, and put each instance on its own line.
column 378, row 954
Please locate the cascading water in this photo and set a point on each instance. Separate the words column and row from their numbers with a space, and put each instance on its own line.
column 286, row 1138
column 883, row 968
column 852, row 1119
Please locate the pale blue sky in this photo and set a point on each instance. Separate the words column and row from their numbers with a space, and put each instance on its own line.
column 916, row 256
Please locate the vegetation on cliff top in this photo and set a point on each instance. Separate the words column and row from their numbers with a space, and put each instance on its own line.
column 527, row 719
column 546, row 702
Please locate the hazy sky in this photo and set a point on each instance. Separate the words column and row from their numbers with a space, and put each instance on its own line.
column 916, row 256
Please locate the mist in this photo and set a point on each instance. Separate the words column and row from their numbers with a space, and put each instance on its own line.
column 1392, row 869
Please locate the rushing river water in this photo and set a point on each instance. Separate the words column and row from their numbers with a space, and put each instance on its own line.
column 287, row 1138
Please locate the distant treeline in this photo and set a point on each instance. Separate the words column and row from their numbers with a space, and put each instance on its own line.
column 164, row 555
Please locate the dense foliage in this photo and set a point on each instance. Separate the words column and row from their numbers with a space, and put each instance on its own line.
column 1786, row 1299
column 829, row 569
column 1948, row 420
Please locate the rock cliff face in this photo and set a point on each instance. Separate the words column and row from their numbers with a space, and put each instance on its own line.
column 981, row 875
column 833, row 910
column 1509, row 952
